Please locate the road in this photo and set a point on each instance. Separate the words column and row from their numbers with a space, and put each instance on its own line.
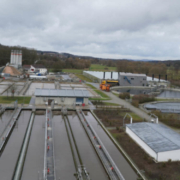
column 115, row 99
column 139, row 112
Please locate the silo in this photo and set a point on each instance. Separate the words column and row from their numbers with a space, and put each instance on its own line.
column 20, row 58
column 11, row 61
column 16, row 58
column 14, row 61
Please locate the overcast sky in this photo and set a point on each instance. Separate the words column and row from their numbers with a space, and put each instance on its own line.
column 136, row 29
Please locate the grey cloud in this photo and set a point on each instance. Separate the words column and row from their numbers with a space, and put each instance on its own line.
column 114, row 29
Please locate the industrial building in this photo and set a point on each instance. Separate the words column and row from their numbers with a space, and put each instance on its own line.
column 97, row 76
column 130, row 79
column 61, row 96
column 35, row 68
column 159, row 141
column 16, row 58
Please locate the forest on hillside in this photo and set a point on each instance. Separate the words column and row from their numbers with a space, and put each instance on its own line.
column 30, row 56
column 57, row 62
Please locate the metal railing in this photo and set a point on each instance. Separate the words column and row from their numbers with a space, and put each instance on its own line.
column 45, row 150
column 111, row 168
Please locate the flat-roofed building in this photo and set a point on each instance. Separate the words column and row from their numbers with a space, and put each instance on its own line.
column 158, row 140
column 61, row 96
column 131, row 79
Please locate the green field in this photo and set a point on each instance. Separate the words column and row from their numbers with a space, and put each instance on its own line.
column 91, row 86
column 93, row 67
column 75, row 71
column 103, row 95
column 110, row 104
column 8, row 100
column 99, row 67
column 84, row 78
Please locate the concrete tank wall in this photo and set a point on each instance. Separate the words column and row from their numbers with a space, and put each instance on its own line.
column 59, row 100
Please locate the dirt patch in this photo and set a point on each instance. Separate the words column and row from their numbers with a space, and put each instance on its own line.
column 154, row 171
column 11, row 70
column 113, row 118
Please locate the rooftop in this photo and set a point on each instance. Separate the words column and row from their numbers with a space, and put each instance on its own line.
column 100, row 75
column 62, row 93
column 158, row 137
column 131, row 74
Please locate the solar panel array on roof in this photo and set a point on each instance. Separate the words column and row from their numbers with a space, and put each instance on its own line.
column 61, row 93
column 157, row 136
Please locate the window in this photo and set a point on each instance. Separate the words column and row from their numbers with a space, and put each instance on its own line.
column 132, row 78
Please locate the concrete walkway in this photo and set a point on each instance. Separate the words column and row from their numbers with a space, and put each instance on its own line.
column 115, row 99
column 139, row 112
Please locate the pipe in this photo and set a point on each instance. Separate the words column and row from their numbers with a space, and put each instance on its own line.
column 104, row 76
column 111, row 75
column 21, row 159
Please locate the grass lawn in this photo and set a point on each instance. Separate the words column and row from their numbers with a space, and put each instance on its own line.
column 167, row 99
column 76, row 71
column 84, row 78
column 110, row 104
column 98, row 99
column 91, row 86
column 93, row 67
column 103, row 95
column 116, row 94
column 8, row 100
column 99, row 67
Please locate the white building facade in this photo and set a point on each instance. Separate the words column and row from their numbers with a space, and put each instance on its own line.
column 159, row 141
column 61, row 96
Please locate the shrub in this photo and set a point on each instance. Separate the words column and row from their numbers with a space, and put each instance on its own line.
column 124, row 95
column 135, row 103
column 117, row 128
column 142, row 98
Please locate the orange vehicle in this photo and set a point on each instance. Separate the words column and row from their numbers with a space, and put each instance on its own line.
column 106, row 84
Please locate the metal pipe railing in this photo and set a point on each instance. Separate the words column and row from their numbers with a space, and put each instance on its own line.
column 45, row 150
column 105, row 157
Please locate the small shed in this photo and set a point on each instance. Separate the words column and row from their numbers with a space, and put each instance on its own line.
column 62, row 96
column 159, row 141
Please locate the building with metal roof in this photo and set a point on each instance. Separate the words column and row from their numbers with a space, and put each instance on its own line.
column 62, row 96
column 157, row 140
column 99, row 75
